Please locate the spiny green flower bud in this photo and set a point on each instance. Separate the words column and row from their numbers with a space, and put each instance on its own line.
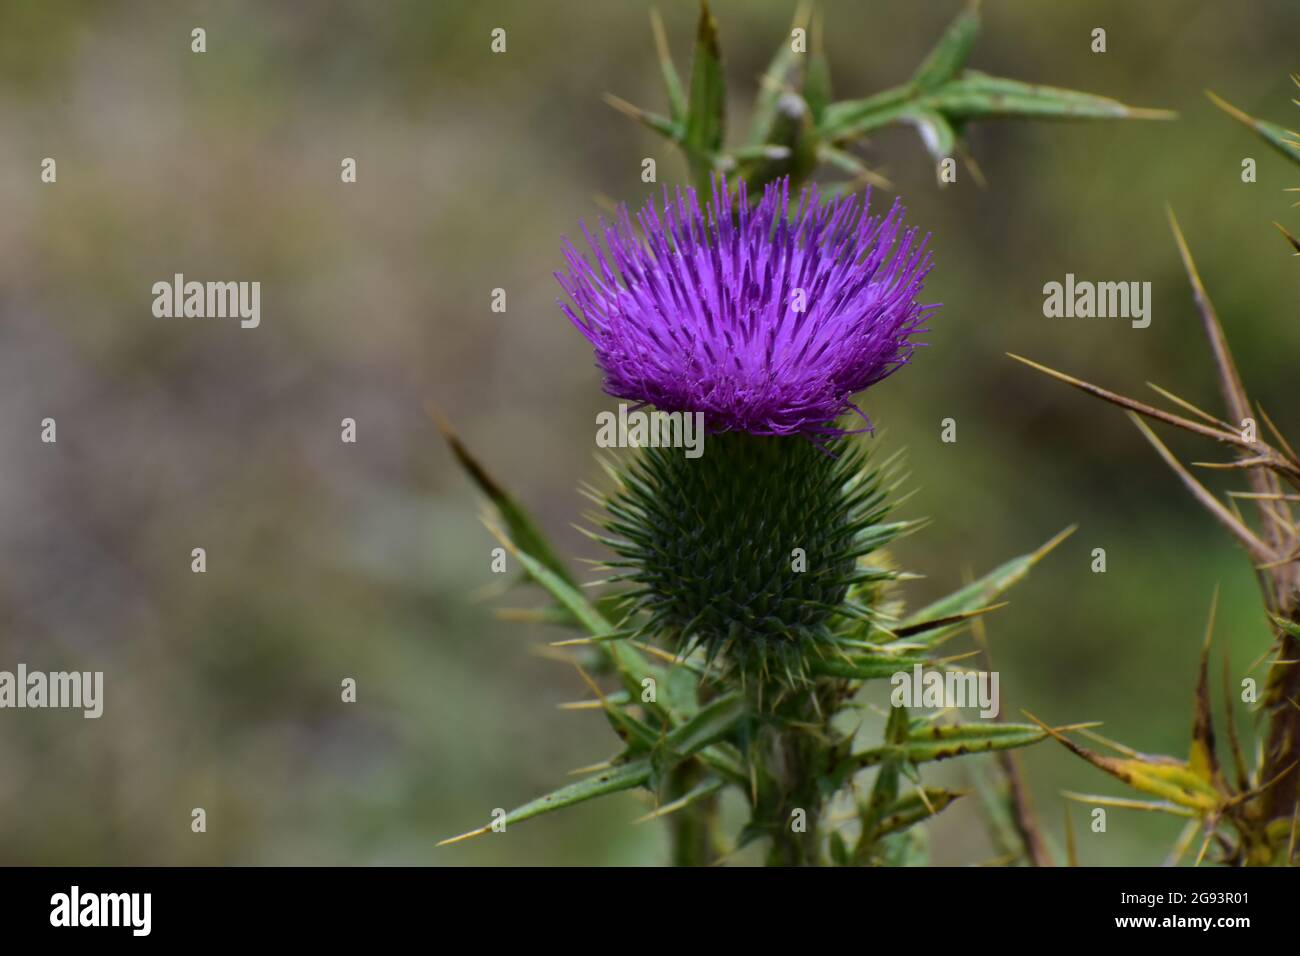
column 749, row 551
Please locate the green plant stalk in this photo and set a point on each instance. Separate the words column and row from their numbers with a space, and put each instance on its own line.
column 693, row 830
column 794, row 752
column 791, row 760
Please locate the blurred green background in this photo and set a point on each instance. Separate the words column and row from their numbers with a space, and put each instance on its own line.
column 328, row 560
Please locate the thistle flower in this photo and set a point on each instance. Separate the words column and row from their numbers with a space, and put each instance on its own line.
column 766, row 553
column 766, row 323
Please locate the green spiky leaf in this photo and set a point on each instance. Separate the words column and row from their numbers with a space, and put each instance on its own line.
column 1285, row 141
column 707, row 105
column 976, row 95
column 884, row 792
column 914, row 807
column 625, row 776
column 847, row 162
column 952, row 740
column 774, row 83
column 563, row 590
column 817, row 88
column 867, row 666
column 937, row 134
column 850, row 119
column 656, row 123
column 978, row 594
column 672, row 82
column 951, row 52
column 967, row 97
column 523, row 530
column 710, row 724
column 632, row 667
column 1286, row 625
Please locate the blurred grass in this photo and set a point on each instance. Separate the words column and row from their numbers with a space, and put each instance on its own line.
column 329, row 560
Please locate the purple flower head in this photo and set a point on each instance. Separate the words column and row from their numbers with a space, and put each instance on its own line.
column 766, row 323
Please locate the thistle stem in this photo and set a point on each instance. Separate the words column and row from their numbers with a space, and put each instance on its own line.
column 792, row 754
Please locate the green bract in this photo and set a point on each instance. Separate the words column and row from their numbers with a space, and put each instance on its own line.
column 749, row 551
